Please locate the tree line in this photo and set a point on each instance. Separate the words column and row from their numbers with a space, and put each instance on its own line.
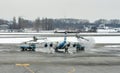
column 51, row 24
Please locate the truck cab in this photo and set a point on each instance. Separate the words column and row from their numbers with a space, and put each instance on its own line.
column 79, row 47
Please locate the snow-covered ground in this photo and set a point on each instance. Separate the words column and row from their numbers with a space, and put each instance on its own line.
column 97, row 39
column 107, row 39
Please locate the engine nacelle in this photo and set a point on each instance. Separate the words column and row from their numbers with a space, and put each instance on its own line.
column 74, row 45
column 51, row 45
column 46, row 45
column 68, row 45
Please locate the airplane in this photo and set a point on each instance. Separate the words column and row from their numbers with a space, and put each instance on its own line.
column 67, row 43
column 56, row 44
column 79, row 44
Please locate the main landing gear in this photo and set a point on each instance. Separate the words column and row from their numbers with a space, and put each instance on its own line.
column 58, row 51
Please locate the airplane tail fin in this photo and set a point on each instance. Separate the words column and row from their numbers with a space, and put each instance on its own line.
column 65, row 37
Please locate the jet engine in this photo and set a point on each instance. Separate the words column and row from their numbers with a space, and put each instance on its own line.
column 46, row 45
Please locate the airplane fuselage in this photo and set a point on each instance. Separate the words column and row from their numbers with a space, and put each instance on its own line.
column 61, row 45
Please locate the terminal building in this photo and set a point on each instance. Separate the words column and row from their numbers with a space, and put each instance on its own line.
column 104, row 29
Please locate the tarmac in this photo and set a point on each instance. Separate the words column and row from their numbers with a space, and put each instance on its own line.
column 12, row 60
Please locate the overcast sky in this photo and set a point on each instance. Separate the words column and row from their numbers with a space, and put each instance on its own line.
column 81, row 9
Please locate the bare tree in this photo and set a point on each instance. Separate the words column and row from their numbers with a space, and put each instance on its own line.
column 37, row 24
column 14, row 23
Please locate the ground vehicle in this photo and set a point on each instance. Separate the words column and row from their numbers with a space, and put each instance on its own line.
column 28, row 47
column 31, row 44
column 79, row 47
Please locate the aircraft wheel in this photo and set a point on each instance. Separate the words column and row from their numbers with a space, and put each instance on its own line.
column 82, row 48
column 56, row 49
column 32, row 49
column 77, row 50
column 29, row 49
column 25, row 49
column 22, row 49
column 66, row 50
